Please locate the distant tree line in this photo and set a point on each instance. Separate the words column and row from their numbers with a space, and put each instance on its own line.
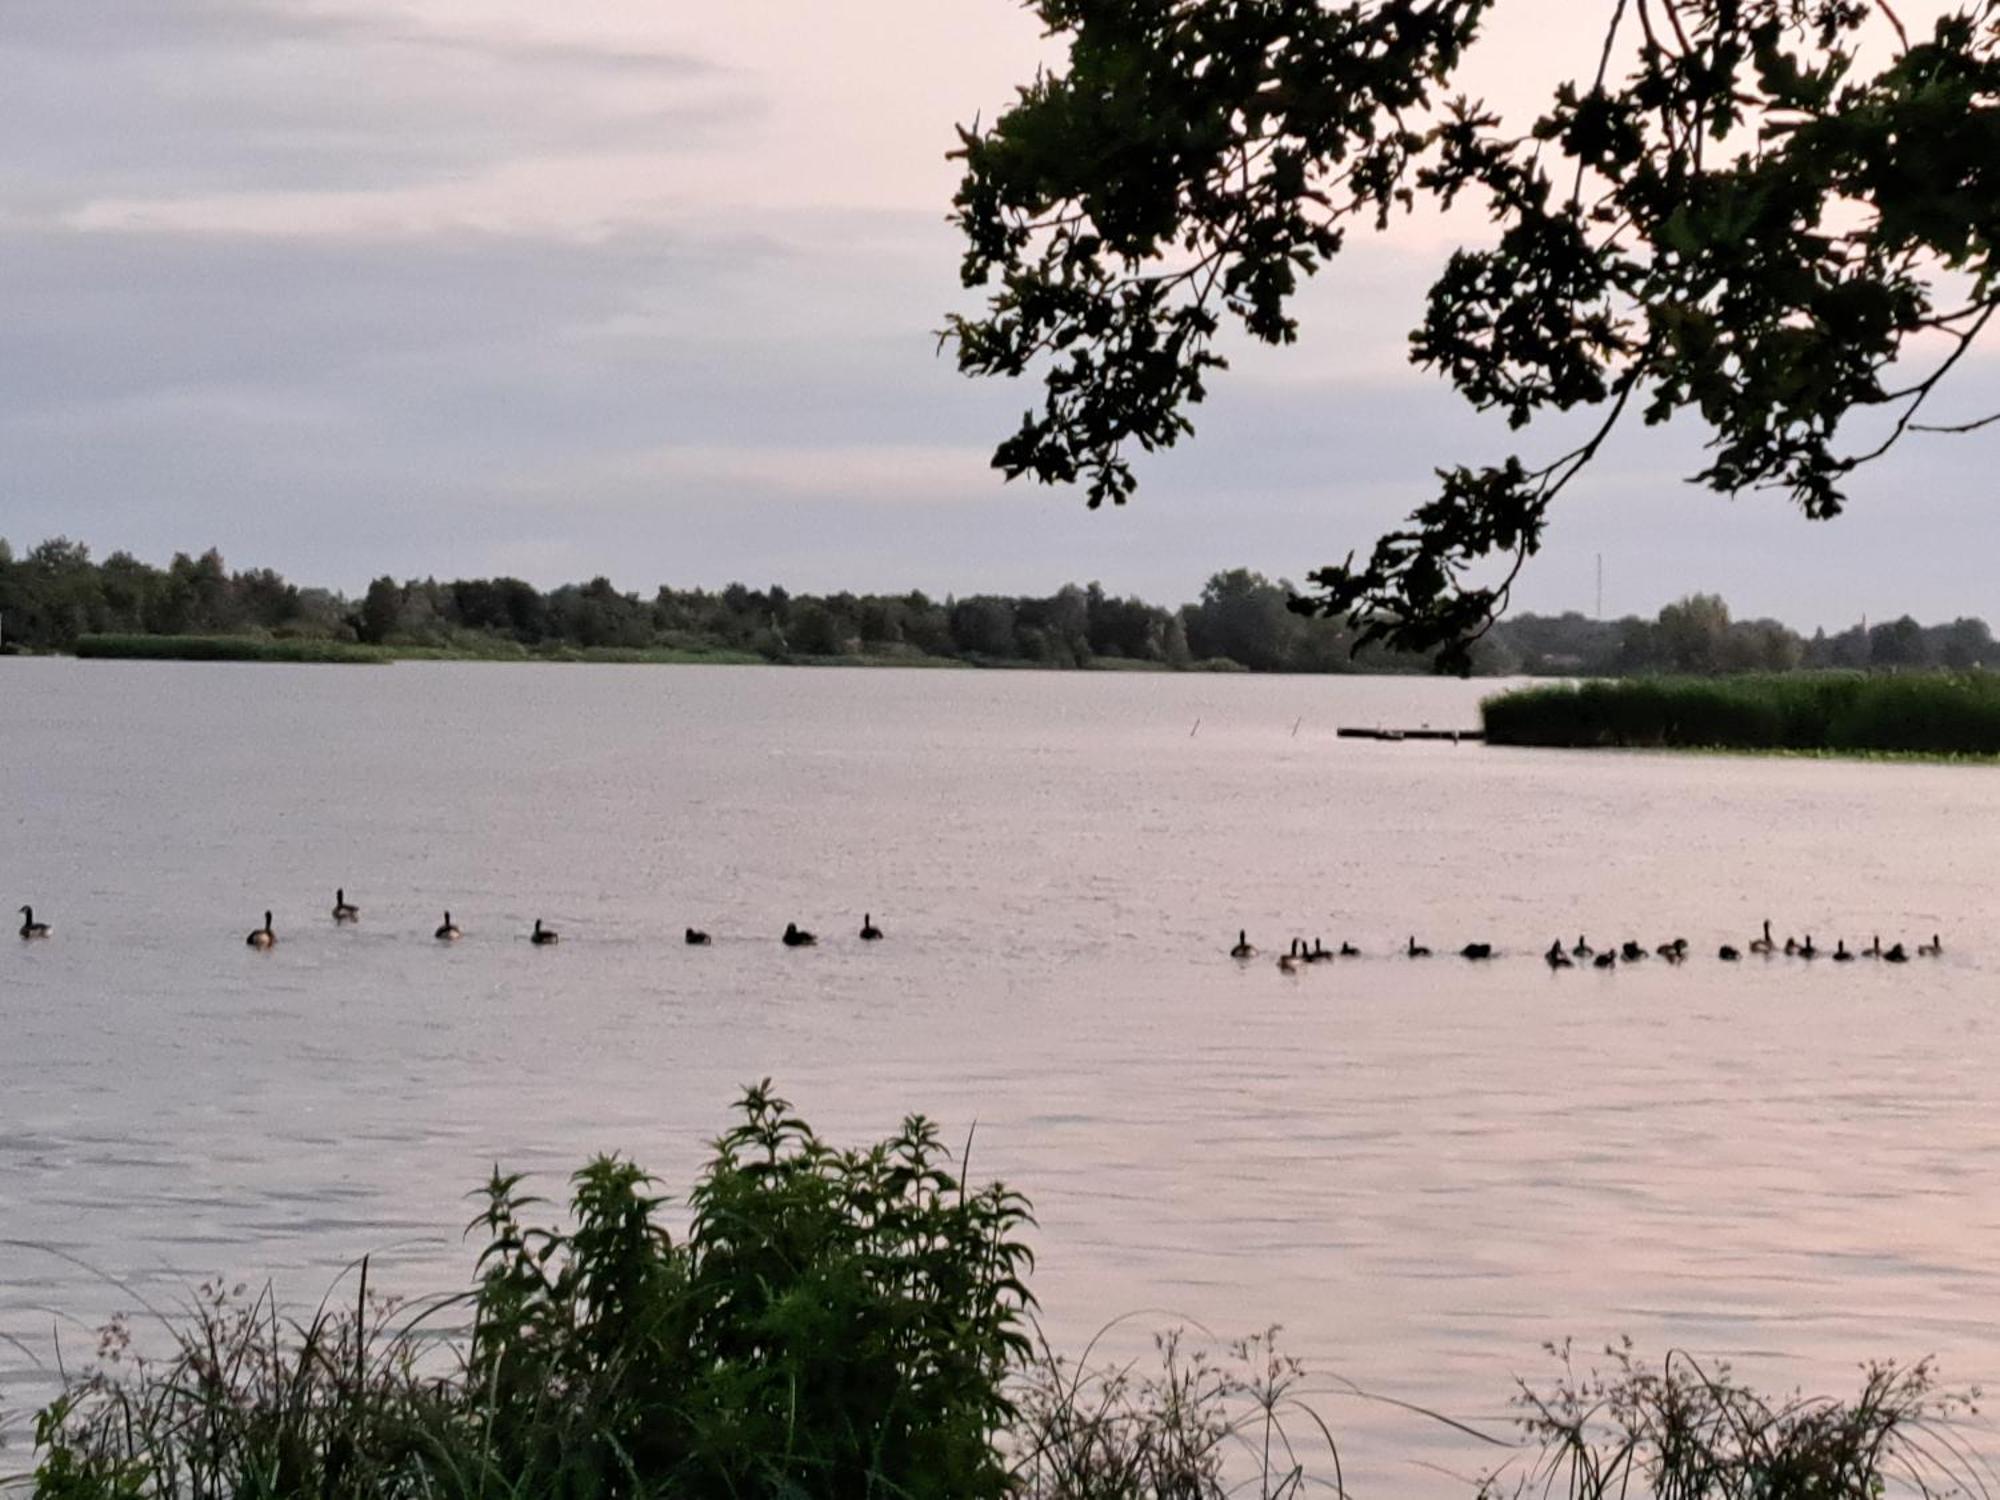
column 56, row 593
column 1697, row 636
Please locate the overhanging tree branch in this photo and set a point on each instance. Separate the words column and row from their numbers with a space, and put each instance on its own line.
column 1756, row 231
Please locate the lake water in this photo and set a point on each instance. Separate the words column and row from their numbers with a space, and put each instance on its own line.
column 1421, row 1169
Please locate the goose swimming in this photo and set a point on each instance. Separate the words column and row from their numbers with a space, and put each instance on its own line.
column 343, row 909
column 30, row 928
column 262, row 937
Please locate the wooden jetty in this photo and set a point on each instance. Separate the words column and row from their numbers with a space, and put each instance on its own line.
column 1425, row 733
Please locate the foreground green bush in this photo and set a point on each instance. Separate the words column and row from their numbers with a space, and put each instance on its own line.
column 1928, row 713
column 841, row 1326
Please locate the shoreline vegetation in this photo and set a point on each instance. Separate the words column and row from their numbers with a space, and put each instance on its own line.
column 56, row 598
column 841, row 1324
column 1928, row 714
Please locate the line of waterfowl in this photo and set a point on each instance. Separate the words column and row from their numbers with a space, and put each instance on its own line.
column 1674, row 951
column 541, row 935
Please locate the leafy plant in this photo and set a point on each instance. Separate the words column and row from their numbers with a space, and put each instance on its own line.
column 1688, row 1432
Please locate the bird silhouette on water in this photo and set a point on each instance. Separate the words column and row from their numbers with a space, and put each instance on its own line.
column 262, row 937
column 542, row 936
column 798, row 937
column 343, row 909
column 30, row 928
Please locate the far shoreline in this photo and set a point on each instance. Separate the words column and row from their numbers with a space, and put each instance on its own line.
column 285, row 651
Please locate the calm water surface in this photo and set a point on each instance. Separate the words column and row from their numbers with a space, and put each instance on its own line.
column 1421, row 1169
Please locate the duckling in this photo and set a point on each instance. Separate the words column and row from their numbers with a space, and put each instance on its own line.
column 542, row 936
column 448, row 933
column 696, row 938
column 870, row 933
column 798, row 937
column 1242, row 948
column 1764, row 943
column 1555, row 958
column 262, row 937
column 1896, row 955
column 1348, row 950
column 343, row 909
column 1806, row 949
column 1582, row 949
column 1416, row 949
column 1727, row 954
column 1631, row 952
column 1933, row 949
column 30, row 928
column 1476, row 951
column 1605, row 960
column 1840, row 953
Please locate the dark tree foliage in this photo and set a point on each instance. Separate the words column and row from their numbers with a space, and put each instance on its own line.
column 1776, row 216
column 56, row 593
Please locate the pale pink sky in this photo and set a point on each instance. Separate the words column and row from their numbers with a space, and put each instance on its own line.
column 466, row 286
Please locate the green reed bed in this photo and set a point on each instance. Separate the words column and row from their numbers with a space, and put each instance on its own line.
column 225, row 648
column 1843, row 712
column 846, row 1325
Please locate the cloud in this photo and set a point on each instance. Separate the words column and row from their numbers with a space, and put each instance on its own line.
column 586, row 198
column 831, row 475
